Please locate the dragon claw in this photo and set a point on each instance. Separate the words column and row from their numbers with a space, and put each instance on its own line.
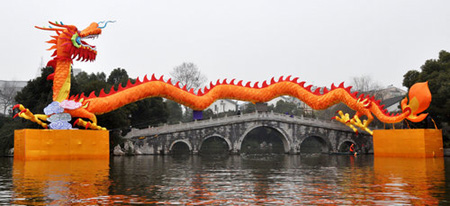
column 87, row 125
column 76, row 122
column 16, row 106
column 353, row 122
column 26, row 114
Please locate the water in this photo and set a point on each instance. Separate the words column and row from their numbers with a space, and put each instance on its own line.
column 232, row 180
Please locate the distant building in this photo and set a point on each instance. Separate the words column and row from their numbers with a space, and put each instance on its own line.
column 13, row 84
column 391, row 92
column 387, row 93
column 392, row 104
column 390, row 97
column 223, row 105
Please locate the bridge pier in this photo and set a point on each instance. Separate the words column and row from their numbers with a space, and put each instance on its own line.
column 234, row 152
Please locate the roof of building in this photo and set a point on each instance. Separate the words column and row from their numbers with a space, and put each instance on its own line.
column 17, row 84
column 391, row 101
column 230, row 101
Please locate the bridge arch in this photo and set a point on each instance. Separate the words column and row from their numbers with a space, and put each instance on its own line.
column 284, row 135
column 219, row 136
column 309, row 144
column 180, row 141
column 344, row 145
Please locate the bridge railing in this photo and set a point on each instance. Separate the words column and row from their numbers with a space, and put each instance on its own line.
column 257, row 116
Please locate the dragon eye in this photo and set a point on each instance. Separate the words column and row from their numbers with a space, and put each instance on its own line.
column 76, row 40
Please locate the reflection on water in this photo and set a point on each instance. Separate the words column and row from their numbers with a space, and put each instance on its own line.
column 246, row 179
column 59, row 182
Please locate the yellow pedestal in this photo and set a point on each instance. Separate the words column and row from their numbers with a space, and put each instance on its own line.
column 45, row 144
column 408, row 143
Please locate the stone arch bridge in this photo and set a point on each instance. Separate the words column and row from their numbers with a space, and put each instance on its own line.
column 294, row 131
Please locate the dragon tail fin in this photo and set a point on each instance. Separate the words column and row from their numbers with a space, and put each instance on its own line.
column 419, row 100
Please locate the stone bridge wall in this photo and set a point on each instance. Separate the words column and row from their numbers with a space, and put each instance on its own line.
column 233, row 130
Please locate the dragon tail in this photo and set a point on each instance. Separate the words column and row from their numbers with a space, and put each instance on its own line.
column 419, row 99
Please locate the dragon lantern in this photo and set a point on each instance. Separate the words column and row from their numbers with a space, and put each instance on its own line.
column 69, row 44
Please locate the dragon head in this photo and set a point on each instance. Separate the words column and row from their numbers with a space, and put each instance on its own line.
column 69, row 42
column 419, row 100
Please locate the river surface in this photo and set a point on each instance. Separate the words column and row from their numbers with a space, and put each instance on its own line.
column 228, row 180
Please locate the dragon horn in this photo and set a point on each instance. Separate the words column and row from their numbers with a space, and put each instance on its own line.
column 101, row 22
column 49, row 29
column 60, row 24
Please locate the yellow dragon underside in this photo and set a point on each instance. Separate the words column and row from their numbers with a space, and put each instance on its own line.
column 69, row 45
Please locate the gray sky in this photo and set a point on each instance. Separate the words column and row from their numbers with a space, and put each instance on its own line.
column 322, row 42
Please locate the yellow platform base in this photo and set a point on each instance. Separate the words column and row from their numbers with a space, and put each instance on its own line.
column 408, row 143
column 45, row 144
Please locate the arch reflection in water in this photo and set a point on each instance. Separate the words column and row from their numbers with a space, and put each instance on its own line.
column 59, row 182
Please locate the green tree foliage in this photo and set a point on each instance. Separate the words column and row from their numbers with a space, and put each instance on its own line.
column 149, row 112
column 175, row 112
column 285, row 107
column 118, row 76
column 7, row 127
column 37, row 94
column 208, row 114
column 410, row 78
column 87, row 83
column 437, row 73
column 249, row 108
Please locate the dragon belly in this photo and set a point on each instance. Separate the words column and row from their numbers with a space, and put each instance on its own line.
column 61, row 81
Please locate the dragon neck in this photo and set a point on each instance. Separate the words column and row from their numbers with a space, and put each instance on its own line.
column 61, row 81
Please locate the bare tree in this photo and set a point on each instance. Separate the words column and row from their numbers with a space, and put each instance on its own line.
column 365, row 84
column 8, row 90
column 188, row 74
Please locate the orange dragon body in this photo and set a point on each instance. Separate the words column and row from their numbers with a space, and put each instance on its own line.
column 69, row 45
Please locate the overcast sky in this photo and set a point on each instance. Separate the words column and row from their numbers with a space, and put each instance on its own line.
column 322, row 42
